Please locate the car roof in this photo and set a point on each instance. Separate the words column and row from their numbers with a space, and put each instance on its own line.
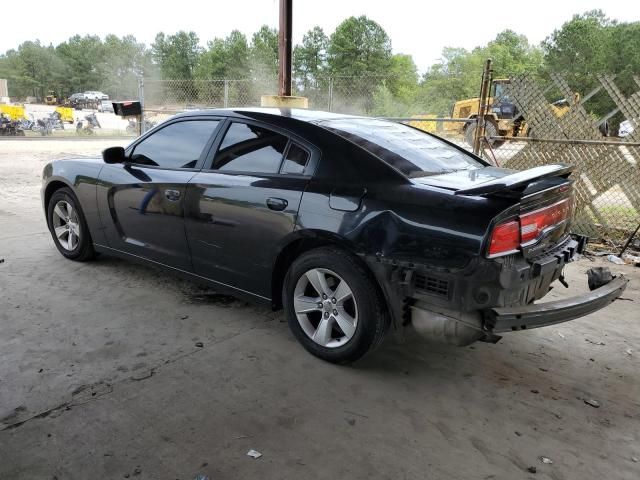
column 294, row 113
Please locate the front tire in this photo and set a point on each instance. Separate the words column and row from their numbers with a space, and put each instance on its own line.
column 333, row 306
column 68, row 226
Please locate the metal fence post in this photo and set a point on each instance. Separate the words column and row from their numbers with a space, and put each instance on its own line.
column 482, row 108
column 226, row 93
column 330, row 101
column 141, row 97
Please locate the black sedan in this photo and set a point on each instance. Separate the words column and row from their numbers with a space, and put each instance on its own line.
column 356, row 226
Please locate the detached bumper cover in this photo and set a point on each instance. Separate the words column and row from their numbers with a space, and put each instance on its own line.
column 505, row 319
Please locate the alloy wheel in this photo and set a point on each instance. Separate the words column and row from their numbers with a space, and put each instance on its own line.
column 325, row 307
column 66, row 225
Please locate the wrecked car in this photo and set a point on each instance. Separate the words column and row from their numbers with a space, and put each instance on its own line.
column 355, row 226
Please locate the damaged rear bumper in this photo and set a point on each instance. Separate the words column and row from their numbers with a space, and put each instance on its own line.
column 505, row 319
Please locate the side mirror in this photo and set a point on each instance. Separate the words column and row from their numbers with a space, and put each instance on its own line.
column 113, row 155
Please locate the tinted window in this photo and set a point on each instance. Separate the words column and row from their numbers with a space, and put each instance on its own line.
column 178, row 145
column 248, row 148
column 413, row 152
column 296, row 160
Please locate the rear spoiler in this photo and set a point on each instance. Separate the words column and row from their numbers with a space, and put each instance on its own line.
column 518, row 179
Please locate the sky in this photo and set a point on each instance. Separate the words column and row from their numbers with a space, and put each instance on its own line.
column 419, row 28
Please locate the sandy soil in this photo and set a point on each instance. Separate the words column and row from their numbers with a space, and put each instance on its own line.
column 100, row 377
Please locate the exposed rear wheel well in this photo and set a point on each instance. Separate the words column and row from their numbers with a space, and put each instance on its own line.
column 293, row 251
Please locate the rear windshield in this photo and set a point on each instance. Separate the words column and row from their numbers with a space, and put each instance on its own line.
column 413, row 152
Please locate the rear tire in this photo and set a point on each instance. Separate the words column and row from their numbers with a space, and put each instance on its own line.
column 68, row 226
column 490, row 130
column 347, row 318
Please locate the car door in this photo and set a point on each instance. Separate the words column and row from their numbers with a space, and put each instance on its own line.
column 240, row 208
column 141, row 202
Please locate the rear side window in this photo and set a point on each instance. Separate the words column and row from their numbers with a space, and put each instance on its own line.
column 249, row 148
column 296, row 160
column 178, row 145
column 413, row 152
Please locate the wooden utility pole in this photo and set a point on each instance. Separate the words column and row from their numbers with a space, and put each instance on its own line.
column 284, row 48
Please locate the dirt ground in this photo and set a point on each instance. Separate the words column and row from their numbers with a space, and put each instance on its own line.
column 101, row 378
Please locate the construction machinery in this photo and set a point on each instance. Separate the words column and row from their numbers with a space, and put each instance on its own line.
column 51, row 98
column 502, row 117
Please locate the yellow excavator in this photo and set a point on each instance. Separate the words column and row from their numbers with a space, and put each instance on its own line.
column 502, row 118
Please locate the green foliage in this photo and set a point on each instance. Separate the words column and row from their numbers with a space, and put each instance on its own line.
column 310, row 58
column 457, row 76
column 264, row 53
column 177, row 55
column 225, row 58
column 359, row 47
column 592, row 44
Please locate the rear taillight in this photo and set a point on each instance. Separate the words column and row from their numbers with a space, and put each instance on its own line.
column 505, row 238
column 532, row 224
column 508, row 236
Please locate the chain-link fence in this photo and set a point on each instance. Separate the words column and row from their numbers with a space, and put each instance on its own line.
column 533, row 121
column 353, row 95
column 591, row 123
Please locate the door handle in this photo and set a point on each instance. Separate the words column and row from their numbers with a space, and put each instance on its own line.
column 172, row 195
column 277, row 204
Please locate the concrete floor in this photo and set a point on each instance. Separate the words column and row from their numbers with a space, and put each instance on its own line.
column 100, row 377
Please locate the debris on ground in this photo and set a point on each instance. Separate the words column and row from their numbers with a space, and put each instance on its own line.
column 535, row 391
column 199, row 344
column 1, row 260
column 532, row 469
column 546, row 460
column 560, row 335
column 351, row 421
column 628, row 351
column 518, row 433
column 184, row 317
column 615, row 259
column 254, row 453
column 598, row 276
column 592, row 402
column 593, row 342
column 200, row 476
column 631, row 259
column 137, row 471
column 635, row 459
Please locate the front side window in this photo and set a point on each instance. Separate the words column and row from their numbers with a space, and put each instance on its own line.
column 178, row 145
column 412, row 151
column 249, row 148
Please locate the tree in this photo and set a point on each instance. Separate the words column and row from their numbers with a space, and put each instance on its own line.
column 225, row 58
column 591, row 44
column 359, row 47
column 310, row 58
column 32, row 69
column 403, row 78
column 264, row 53
column 581, row 45
column 458, row 74
column 177, row 55
column 81, row 55
column 124, row 62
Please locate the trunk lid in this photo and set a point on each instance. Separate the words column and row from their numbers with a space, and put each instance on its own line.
column 542, row 202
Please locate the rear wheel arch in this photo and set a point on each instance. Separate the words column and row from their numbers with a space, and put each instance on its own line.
column 301, row 245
